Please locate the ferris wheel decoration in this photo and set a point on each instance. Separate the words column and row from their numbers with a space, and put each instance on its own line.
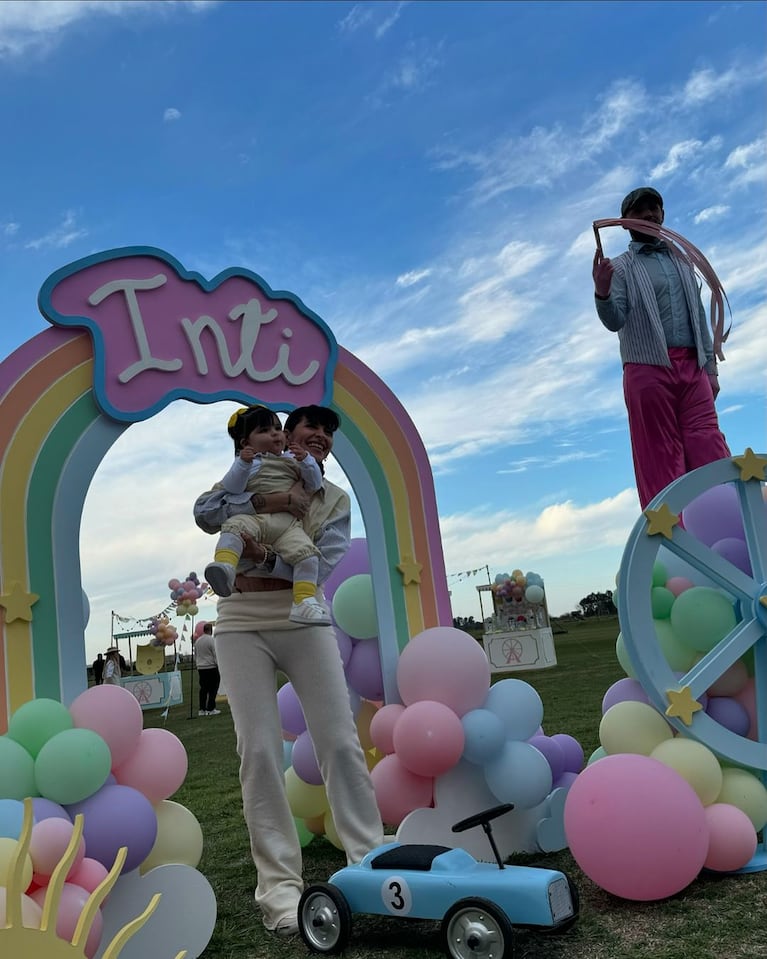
column 724, row 594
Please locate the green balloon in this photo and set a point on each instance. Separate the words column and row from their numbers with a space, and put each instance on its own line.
column 662, row 600
column 659, row 574
column 354, row 607
column 72, row 766
column 701, row 617
column 305, row 835
column 17, row 771
column 34, row 723
column 677, row 654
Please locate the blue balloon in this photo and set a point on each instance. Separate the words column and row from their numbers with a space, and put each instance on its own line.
column 518, row 706
column 11, row 818
column 521, row 775
column 484, row 736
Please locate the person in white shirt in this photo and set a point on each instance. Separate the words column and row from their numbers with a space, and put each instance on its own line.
column 208, row 675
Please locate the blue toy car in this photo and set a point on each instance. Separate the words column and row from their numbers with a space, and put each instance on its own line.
column 478, row 903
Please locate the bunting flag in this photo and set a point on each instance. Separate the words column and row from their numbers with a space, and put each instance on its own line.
column 468, row 573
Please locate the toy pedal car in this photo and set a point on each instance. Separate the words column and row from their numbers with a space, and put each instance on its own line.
column 478, row 903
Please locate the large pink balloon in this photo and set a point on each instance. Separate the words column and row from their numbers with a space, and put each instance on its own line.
column 428, row 738
column 70, row 906
column 114, row 714
column 398, row 791
column 446, row 665
column 382, row 727
column 636, row 827
column 732, row 838
column 156, row 767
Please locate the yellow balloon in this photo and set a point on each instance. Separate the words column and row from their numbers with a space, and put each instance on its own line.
column 179, row 837
column 331, row 833
column 623, row 657
column 744, row 790
column 679, row 656
column 8, row 849
column 631, row 727
column 364, row 716
column 305, row 801
column 695, row 763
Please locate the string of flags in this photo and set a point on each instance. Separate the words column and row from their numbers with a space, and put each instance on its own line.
column 466, row 574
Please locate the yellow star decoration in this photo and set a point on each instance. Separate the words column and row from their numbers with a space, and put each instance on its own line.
column 682, row 704
column 750, row 465
column 661, row 521
column 18, row 603
column 410, row 569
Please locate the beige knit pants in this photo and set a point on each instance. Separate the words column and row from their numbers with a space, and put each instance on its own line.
column 309, row 656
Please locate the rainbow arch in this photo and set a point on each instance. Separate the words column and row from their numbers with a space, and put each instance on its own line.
column 53, row 436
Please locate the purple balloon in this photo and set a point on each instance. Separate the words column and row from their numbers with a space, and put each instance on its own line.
column 117, row 816
column 573, row 752
column 552, row 751
column 624, row 690
column 735, row 551
column 291, row 711
column 363, row 672
column 48, row 809
column 345, row 645
column 714, row 515
column 565, row 781
column 355, row 562
column 729, row 713
column 304, row 760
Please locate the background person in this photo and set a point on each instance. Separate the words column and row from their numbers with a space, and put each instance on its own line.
column 254, row 639
column 98, row 669
column 208, row 675
column 650, row 297
column 112, row 670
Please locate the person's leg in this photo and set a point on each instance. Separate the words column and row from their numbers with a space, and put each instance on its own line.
column 703, row 440
column 203, row 700
column 221, row 572
column 650, row 393
column 248, row 669
column 314, row 667
column 214, row 681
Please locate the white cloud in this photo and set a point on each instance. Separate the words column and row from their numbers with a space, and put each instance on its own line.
column 383, row 28
column 711, row 213
column 361, row 16
column 412, row 277
column 706, row 84
column 10, row 228
column 171, row 114
column 26, row 24
column 60, row 236
column 748, row 162
column 677, row 155
column 355, row 19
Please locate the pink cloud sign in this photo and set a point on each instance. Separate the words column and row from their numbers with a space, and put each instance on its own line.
column 162, row 333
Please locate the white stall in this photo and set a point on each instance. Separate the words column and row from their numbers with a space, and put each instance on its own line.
column 518, row 633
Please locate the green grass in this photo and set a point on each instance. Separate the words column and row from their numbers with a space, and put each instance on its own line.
column 713, row 918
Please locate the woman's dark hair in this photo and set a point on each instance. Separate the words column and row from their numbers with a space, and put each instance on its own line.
column 315, row 416
column 242, row 423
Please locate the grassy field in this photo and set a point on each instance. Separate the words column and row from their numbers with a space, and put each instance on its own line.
column 713, row 918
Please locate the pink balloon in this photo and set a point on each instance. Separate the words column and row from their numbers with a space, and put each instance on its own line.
column 72, row 902
column 678, row 584
column 398, row 791
column 114, row 714
column 89, row 874
column 428, row 738
column 48, row 843
column 732, row 838
column 446, row 665
column 156, row 767
column 382, row 727
column 363, row 671
column 636, row 827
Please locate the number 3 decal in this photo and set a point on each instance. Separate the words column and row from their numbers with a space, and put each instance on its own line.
column 396, row 896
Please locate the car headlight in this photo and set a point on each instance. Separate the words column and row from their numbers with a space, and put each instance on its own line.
column 560, row 900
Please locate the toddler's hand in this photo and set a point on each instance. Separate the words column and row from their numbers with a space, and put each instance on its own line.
column 298, row 452
column 247, row 454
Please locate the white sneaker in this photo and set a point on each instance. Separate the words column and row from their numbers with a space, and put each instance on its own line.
column 213, row 712
column 220, row 578
column 203, row 712
column 309, row 612
column 286, row 928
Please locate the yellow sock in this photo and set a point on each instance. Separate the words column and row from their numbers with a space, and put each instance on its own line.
column 226, row 556
column 303, row 590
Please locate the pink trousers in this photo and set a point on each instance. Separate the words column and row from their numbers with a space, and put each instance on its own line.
column 672, row 421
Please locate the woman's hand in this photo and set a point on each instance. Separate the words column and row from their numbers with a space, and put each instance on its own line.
column 298, row 500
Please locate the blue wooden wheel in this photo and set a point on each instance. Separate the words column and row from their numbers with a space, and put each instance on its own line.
column 659, row 529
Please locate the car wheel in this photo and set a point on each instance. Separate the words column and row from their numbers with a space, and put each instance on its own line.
column 477, row 929
column 324, row 918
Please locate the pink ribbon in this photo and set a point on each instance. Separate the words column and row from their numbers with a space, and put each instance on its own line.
column 688, row 252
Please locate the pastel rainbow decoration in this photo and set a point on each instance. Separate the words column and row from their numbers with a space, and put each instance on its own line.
column 135, row 331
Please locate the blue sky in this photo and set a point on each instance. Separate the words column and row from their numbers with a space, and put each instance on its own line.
column 424, row 177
